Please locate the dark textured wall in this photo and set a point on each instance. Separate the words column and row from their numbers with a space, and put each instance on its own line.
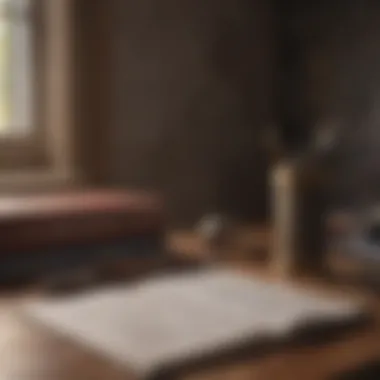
column 92, row 97
column 338, row 46
column 174, row 95
column 192, row 86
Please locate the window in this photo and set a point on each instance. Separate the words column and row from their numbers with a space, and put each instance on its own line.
column 19, row 127
column 35, row 85
column 16, row 67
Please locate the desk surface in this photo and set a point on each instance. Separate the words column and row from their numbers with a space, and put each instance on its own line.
column 28, row 352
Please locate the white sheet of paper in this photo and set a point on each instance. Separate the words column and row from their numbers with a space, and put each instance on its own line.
column 164, row 320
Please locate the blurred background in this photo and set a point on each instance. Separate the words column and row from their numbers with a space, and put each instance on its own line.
column 143, row 133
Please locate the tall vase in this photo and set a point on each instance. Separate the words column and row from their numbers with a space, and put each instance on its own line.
column 298, row 212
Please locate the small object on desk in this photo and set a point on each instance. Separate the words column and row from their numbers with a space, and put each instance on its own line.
column 215, row 230
column 298, row 215
column 284, row 188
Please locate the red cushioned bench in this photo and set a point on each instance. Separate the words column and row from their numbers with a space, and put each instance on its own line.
column 47, row 231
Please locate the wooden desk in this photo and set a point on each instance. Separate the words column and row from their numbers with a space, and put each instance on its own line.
column 30, row 353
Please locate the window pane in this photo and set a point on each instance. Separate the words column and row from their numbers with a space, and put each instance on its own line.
column 5, row 82
column 15, row 67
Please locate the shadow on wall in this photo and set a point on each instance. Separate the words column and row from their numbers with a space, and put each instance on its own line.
column 341, row 43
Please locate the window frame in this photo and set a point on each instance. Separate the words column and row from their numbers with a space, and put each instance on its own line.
column 46, row 151
column 26, row 150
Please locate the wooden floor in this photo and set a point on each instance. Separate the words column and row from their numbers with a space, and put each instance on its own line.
column 30, row 353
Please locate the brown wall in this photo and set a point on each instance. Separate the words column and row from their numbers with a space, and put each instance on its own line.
column 174, row 94
column 92, row 96
column 191, row 86
column 339, row 45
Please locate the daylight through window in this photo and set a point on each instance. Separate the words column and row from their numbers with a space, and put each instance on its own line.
column 15, row 67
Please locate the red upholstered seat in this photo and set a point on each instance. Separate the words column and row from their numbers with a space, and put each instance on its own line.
column 87, row 216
